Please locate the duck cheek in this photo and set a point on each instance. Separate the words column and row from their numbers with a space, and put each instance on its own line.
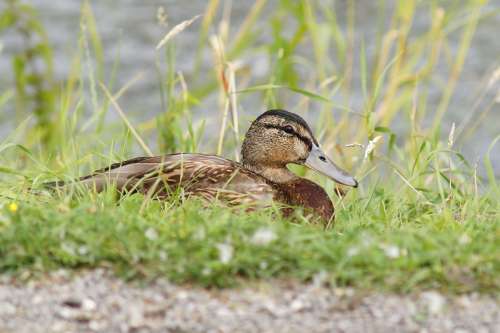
column 287, row 155
column 280, row 152
column 294, row 151
column 301, row 151
column 283, row 150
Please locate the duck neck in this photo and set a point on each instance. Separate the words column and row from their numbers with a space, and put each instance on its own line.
column 276, row 174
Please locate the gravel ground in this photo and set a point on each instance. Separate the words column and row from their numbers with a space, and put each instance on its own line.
column 95, row 301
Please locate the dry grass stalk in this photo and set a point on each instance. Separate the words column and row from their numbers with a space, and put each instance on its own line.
column 176, row 30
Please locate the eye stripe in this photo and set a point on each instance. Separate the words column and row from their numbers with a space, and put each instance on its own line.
column 301, row 137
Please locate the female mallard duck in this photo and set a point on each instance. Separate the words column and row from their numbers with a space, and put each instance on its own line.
column 275, row 139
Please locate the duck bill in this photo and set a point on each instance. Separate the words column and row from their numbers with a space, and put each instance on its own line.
column 318, row 161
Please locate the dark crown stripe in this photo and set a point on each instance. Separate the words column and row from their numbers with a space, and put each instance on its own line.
column 285, row 115
column 290, row 116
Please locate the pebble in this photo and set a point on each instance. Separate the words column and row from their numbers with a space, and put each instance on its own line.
column 136, row 317
column 88, row 305
column 7, row 309
column 97, row 301
column 433, row 301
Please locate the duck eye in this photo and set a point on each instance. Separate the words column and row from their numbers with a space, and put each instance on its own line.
column 288, row 129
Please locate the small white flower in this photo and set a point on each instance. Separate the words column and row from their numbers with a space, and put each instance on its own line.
column 464, row 239
column 263, row 236
column 263, row 265
column 163, row 255
column 372, row 144
column 151, row 234
column 352, row 251
column 225, row 252
column 366, row 239
column 206, row 271
column 391, row 251
column 199, row 234
column 83, row 250
column 68, row 248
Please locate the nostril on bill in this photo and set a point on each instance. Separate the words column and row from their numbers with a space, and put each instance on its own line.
column 322, row 158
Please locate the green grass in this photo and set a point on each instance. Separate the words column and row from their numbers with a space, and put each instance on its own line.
column 386, row 243
column 421, row 218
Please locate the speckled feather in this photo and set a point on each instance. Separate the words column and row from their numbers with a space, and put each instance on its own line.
column 274, row 139
column 209, row 177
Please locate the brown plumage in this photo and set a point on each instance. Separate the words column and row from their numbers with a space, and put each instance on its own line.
column 275, row 139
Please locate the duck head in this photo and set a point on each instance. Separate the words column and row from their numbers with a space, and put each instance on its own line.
column 277, row 138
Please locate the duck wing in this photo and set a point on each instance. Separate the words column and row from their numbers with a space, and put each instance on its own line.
column 207, row 176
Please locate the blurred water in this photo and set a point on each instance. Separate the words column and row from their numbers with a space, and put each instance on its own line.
column 129, row 30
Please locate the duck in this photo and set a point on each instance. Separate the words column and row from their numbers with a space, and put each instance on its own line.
column 274, row 139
